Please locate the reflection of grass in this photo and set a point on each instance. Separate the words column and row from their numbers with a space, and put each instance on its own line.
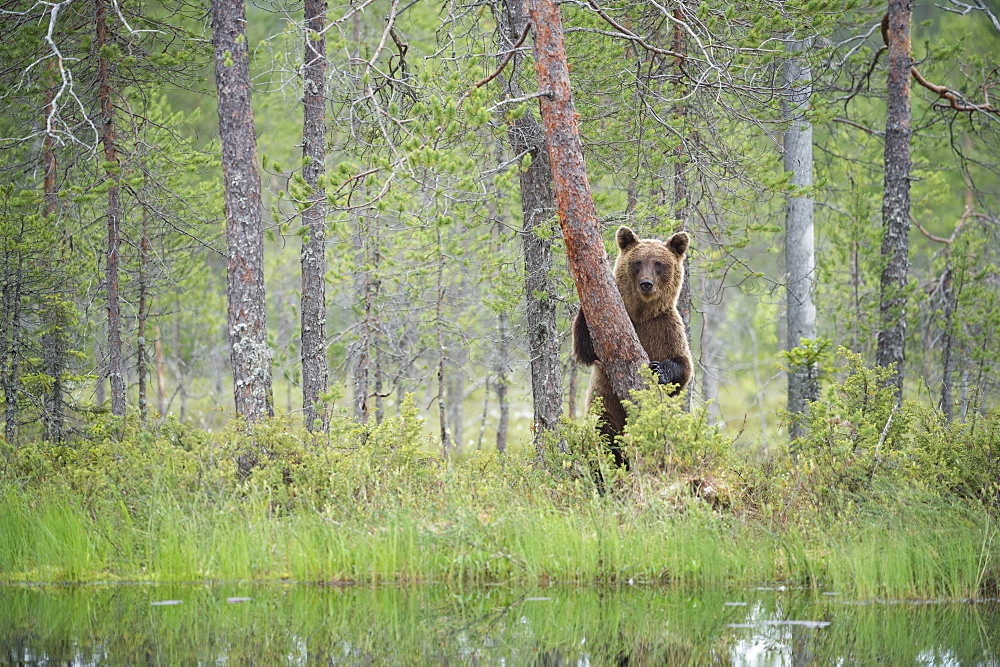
column 434, row 624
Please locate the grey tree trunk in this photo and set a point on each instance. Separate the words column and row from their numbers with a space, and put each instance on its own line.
column 538, row 203
column 10, row 323
column 116, row 361
column 947, row 404
column 55, row 339
column 315, row 374
column 500, row 384
column 145, row 298
column 896, row 198
column 682, row 212
column 800, row 252
column 247, row 316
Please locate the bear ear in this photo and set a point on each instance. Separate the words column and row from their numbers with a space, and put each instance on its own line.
column 626, row 238
column 679, row 243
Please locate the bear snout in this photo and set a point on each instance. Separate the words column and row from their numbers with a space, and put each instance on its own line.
column 646, row 286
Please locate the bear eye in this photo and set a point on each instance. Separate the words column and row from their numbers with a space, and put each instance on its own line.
column 659, row 266
column 637, row 265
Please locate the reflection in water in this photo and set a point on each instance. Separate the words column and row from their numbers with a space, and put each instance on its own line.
column 304, row 624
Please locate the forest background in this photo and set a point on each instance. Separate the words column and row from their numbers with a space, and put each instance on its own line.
column 443, row 272
column 424, row 268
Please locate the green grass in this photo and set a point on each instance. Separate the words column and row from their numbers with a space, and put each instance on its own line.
column 372, row 505
column 596, row 541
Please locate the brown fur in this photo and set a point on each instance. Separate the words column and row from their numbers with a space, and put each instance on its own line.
column 648, row 273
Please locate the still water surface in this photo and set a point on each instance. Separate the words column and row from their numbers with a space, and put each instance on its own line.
column 305, row 624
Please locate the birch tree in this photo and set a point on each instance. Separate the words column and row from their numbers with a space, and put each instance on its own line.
column 800, row 255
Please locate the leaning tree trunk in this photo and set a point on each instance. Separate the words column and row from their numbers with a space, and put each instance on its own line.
column 249, row 354
column 116, row 362
column 315, row 376
column 614, row 337
column 896, row 198
column 800, row 256
column 538, row 206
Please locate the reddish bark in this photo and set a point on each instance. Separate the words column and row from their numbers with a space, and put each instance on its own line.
column 614, row 337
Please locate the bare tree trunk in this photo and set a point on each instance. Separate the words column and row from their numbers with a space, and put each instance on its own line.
column 712, row 347
column 896, row 201
column 55, row 344
column 947, row 364
column 456, row 406
column 615, row 341
column 500, row 370
column 10, row 322
column 682, row 207
column 116, row 362
column 315, row 375
column 143, row 315
column 55, row 338
column 538, row 205
column 442, row 357
column 247, row 315
column 800, row 255
column 161, row 398
column 363, row 348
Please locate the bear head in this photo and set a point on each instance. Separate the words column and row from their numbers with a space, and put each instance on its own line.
column 649, row 272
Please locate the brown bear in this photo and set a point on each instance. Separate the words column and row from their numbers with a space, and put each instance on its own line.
column 648, row 274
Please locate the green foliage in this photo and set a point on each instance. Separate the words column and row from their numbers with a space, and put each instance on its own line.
column 664, row 439
column 855, row 432
column 811, row 353
column 860, row 445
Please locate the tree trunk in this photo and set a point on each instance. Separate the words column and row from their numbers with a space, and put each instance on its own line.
column 500, row 369
column 800, row 256
column 441, row 352
column 142, row 316
column 116, row 362
column 681, row 204
column 10, row 324
column 315, row 375
column 161, row 394
column 538, row 205
column 614, row 337
column 896, row 201
column 947, row 363
column 55, row 338
column 247, row 316
column 362, row 349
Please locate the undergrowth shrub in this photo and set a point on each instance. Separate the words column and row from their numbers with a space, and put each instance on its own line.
column 677, row 451
column 853, row 434
column 358, row 468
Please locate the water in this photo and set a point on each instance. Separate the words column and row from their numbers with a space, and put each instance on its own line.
column 354, row 625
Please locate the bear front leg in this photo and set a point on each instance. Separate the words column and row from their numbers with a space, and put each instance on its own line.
column 583, row 345
column 672, row 371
